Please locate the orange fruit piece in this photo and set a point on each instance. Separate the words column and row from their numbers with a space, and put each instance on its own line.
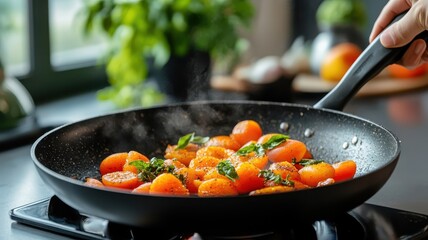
column 121, row 179
column 190, row 176
column 271, row 190
column 223, row 141
column 290, row 150
column 167, row 183
column 93, row 182
column 203, row 164
column 398, row 71
column 344, row 170
column 338, row 60
column 216, row 187
column 248, row 179
column 245, row 131
column 183, row 155
column 285, row 170
column 143, row 188
column 311, row 175
column 133, row 156
column 113, row 162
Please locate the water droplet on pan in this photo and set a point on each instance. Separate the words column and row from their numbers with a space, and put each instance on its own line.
column 345, row 145
column 284, row 126
column 309, row 132
column 354, row 140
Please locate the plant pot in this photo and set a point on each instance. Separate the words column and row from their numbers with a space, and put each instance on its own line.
column 185, row 78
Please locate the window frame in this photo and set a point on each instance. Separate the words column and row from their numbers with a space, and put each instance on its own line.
column 43, row 81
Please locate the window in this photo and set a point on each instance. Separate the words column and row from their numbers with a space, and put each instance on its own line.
column 42, row 44
column 14, row 52
column 68, row 44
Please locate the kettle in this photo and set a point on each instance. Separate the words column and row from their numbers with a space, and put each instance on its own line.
column 16, row 105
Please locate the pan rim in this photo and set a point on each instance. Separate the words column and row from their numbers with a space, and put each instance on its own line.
column 70, row 180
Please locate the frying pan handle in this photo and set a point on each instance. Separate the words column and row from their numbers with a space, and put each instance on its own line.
column 370, row 62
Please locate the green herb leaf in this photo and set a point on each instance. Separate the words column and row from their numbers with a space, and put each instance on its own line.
column 190, row 138
column 184, row 141
column 246, row 149
column 269, row 175
column 181, row 177
column 140, row 32
column 226, row 168
column 307, row 162
column 199, row 140
column 257, row 148
column 275, row 141
column 260, row 149
column 139, row 164
column 148, row 171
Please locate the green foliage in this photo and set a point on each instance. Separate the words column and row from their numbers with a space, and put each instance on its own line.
column 6, row 21
column 157, row 29
column 332, row 12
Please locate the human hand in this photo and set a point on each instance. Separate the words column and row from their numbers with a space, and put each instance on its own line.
column 405, row 30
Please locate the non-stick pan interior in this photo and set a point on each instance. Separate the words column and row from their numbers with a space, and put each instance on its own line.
column 68, row 154
column 75, row 150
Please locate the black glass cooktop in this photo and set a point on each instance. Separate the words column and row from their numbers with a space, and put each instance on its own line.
column 367, row 221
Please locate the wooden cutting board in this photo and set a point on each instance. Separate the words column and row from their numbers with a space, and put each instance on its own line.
column 380, row 85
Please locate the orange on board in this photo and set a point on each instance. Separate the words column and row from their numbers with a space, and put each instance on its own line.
column 401, row 72
column 338, row 60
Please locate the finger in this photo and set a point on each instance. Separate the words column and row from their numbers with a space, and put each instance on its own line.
column 391, row 9
column 425, row 56
column 414, row 55
column 400, row 33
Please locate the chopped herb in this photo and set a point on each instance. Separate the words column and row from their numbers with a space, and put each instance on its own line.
column 182, row 178
column 190, row 138
column 148, row 171
column 269, row 175
column 226, row 168
column 307, row 162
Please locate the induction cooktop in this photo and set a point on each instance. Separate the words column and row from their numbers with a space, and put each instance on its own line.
column 367, row 221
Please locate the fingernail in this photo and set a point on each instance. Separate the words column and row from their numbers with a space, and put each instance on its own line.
column 386, row 39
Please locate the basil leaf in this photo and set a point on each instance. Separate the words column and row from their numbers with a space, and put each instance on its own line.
column 184, row 141
column 226, row 168
column 199, row 140
column 307, row 162
column 191, row 138
column 269, row 175
column 257, row 148
column 148, row 171
column 275, row 141
column 139, row 164
column 260, row 149
column 246, row 149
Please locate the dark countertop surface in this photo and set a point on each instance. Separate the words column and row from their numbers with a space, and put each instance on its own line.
column 406, row 115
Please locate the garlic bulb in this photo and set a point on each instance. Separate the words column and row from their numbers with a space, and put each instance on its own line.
column 265, row 70
column 296, row 59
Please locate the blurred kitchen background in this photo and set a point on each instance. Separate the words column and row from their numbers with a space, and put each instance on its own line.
column 47, row 59
column 42, row 42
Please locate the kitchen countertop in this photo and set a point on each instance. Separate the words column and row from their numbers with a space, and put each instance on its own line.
column 406, row 115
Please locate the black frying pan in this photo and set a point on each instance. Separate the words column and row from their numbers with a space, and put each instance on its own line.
column 68, row 154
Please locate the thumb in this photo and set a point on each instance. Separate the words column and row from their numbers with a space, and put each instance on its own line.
column 404, row 30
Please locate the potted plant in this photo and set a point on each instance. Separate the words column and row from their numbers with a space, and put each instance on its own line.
column 158, row 38
column 339, row 21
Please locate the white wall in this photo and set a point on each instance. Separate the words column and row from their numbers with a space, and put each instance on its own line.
column 271, row 29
